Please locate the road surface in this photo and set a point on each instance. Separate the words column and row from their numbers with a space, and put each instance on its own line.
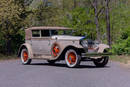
column 40, row 74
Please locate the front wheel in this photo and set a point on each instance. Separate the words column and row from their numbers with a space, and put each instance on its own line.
column 72, row 59
column 25, row 57
column 101, row 62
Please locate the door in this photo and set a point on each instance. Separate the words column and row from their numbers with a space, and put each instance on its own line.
column 41, row 44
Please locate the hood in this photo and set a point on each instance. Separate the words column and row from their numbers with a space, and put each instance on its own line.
column 67, row 37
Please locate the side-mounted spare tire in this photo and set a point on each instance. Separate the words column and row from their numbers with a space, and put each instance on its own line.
column 25, row 57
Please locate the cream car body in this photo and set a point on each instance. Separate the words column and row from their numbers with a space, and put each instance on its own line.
column 40, row 42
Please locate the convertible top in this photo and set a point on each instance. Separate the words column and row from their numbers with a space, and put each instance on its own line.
column 50, row 28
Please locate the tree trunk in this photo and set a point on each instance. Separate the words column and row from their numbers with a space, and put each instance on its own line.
column 75, row 4
column 97, row 21
column 108, row 23
column 63, row 5
column 45, row 3
column 8, row 47
column 8, row 38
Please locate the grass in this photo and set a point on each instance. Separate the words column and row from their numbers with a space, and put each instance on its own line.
column 5, row 57
column 123, row 58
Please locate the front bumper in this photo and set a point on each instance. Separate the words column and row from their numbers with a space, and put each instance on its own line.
column 95, row 54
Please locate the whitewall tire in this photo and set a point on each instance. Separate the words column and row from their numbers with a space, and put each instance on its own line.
column 25, row 57
column 72, row 59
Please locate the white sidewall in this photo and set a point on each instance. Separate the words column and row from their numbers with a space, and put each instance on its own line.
column 66, row 57
column 21, row 56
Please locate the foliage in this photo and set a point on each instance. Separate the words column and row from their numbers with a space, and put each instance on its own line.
column 82, row 20
column 120, row 20
column 44, row 16
column 122, row 46
column 17, row 15
column 11, row 17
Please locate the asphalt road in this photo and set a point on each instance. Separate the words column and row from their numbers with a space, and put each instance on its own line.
column 40, row 74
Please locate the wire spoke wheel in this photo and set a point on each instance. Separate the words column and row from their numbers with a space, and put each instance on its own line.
column 25, row 57
column 72, row 58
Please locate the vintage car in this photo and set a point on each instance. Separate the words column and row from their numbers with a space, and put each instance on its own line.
column 57, row 43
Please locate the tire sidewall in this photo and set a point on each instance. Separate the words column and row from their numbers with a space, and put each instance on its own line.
column 66, row 58
column 104, row 60
column 21, row 56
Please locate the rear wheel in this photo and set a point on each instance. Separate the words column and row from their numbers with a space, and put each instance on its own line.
column 72, row 58
column 101, row 62
column 25, row 57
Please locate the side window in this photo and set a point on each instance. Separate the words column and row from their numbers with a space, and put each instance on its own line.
column 54, row 32
column 35, row 33
column 45, row 33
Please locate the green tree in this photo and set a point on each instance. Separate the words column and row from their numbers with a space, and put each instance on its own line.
column 44, row 16
column 11, row 21
column 82, row 20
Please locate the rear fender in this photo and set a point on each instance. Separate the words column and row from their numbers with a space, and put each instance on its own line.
column 28, row 47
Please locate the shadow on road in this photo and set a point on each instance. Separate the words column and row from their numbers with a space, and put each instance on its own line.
column 64, row 65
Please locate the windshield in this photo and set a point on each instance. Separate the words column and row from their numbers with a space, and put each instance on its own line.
column 61, row 32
